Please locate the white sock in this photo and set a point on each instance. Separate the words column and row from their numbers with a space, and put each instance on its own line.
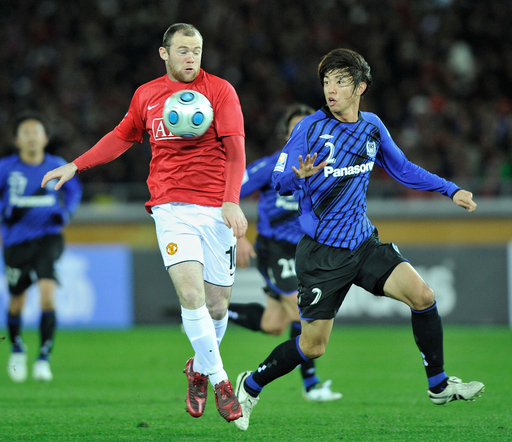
column 220, row 328
column 200, row 331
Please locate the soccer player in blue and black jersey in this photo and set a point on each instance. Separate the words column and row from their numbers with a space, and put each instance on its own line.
column 329, row 157
column 32, row 222
column 279, row 232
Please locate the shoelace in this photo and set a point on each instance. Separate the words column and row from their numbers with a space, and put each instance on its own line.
column 225, row 389
column 198, row 380
column 453, row 380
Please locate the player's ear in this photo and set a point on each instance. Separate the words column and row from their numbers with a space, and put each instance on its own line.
column 164, row 55
column 361, row 88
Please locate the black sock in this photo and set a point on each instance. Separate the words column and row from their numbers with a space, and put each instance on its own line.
column 47, row 330
column 246, row 315
column 283, row 359
column 428, row 334
column 14, row 326
column 307, row 368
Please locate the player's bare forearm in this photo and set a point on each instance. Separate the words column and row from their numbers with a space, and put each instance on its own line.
column 464, row 199
column 62, row 173
column 234, row 218
column 307, row 167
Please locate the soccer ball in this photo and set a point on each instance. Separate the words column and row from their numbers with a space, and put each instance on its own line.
column 188, row 114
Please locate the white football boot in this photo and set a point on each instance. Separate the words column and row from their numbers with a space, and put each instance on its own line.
column 247, row 402
column 17, row 366
column 321, row 393
column 41, row 371
column 456, row 390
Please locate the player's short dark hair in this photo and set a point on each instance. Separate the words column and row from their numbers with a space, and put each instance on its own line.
column 292, row 111
column 28, row 115
column 183, row 28
column 349, row 62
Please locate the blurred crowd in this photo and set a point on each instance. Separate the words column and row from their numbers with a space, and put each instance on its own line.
column 442, row 74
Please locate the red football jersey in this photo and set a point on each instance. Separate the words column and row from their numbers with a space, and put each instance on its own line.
column 184, row 170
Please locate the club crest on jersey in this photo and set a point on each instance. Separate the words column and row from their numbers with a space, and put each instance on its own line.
column 281, row 162
column 171, row 248
column 371, row 148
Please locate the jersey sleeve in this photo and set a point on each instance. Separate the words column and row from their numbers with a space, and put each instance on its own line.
column 235, row 166
column 227, row 112
column 104, row 151
column 284, row 179
column 258, row 175
column 132, row 127
column 394, row 161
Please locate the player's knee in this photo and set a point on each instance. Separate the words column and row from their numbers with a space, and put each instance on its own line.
column 15, row 311
column 315, row 352
column 192, row 299
column 312, row 350
column 218, row 311
column 47, row 304
column 16, row 305
column 272, row 329
column 424, row 298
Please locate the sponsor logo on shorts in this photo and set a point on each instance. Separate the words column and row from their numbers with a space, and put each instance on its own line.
column 171, row 248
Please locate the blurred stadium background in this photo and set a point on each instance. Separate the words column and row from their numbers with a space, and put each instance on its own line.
column 442, row 84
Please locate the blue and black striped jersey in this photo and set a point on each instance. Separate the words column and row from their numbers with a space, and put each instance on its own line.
column 277, row 215
column 332, row 207
column 29, row 211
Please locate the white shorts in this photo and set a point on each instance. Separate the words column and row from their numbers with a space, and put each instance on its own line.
column 189, row 232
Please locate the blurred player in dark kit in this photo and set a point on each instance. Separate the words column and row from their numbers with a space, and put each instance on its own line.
column 32, row 224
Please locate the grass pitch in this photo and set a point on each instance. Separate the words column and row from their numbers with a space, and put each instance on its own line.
column 129, row 386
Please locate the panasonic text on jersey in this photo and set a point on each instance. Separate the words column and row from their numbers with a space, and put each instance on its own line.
column 347, row 171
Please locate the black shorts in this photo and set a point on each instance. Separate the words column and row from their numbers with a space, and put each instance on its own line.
column 276, row 263
column 36, row 256
column 326, row 273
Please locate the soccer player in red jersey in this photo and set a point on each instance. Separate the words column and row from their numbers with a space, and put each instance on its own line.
column 195, row 189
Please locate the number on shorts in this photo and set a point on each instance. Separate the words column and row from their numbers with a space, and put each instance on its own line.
column 232, row 257
column 288, row 267
column 13, row 275
column 318, row 293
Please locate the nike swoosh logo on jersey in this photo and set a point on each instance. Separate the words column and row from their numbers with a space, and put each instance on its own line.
column 151, row 107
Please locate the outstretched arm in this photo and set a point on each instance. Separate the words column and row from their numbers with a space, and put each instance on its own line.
column 105, row 150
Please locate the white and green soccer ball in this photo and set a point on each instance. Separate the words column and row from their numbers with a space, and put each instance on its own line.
column 188, row 114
